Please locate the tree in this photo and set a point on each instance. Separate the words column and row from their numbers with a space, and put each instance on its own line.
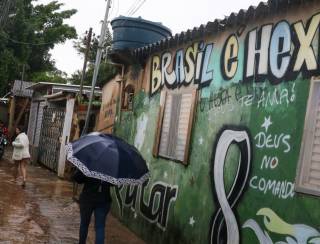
column 27, row 38
column 55, row 76
column 106, row 70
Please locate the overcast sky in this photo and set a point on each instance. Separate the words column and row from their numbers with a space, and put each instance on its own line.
column 178, row 15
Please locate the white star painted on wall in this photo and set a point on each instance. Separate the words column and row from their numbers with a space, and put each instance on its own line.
column 135, row 215
column 200, row 141
column 267, row 122
column 192, row 221
column 146, row 101
column 165, row 174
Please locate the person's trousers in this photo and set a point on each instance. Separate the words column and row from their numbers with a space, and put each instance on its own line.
column 100, row 215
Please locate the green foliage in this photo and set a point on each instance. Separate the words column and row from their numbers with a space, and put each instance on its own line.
column 27, row 38
column 50, row 76
column 80, row 45
column 106, row 70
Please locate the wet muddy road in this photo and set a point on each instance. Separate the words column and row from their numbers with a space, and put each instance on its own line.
column 44, row 212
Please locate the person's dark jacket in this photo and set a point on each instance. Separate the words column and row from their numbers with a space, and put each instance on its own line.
column 95, row 192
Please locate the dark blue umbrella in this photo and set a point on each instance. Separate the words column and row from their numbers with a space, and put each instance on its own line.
column 108, row 158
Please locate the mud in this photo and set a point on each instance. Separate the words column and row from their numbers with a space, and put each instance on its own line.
column 44, row 212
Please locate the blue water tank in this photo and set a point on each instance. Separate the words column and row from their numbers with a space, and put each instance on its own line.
column 131, row 33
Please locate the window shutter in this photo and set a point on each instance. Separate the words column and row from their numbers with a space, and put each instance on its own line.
column 156, row 144
column 177, row 117
column 165, row 130
column 186, row 122
column 183, row 128
column 308, row 174
column 174, row 125
column 314, row 170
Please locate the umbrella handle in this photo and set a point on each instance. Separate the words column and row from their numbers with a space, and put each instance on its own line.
column 75, row 191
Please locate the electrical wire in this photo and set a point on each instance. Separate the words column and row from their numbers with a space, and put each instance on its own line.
column 26, row 43
column 133, row 6
column 118, row 6
column 112, row 9
column 115, row 11
column 133, row 10
column 137, row 8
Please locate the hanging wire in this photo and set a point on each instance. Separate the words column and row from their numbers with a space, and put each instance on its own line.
column 133, row 6
column 130, row 8
column 137, row 8
column 112, row 8
column 25, row 43
column 118, row 7
column 117, row 10
column 133, row 9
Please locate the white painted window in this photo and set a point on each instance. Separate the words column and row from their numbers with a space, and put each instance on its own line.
column 175, row 124
column 308, row 174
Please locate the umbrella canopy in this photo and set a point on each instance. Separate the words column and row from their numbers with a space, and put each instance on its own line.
column 108, row 158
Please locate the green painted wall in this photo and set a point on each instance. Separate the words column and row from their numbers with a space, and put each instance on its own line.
column 286, row 216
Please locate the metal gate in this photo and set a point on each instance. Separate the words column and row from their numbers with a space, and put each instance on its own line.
column 51, row 132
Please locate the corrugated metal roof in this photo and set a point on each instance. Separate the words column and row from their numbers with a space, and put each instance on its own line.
column 56, row 87
column 43, row 85
column 85, row 91
column 218, row 25
column 19, row 89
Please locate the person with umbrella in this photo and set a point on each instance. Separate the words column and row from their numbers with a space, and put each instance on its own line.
column 102, row 160
column 94, row 198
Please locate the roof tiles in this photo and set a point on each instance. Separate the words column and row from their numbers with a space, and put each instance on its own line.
column 253, row 12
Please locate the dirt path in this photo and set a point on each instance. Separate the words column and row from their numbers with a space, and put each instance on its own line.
column 43, row 212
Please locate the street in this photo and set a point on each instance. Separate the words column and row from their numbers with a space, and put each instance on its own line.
column 44, row 212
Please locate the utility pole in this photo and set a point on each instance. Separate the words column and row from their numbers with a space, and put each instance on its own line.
column 23, row 71
column 97, row 64
column 88, row 39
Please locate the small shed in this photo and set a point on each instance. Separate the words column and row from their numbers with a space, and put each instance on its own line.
column 4, row 110
column 55, row 119
column 19, row 105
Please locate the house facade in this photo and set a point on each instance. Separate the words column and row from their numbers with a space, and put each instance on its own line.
column 227, row 117
column 56, row 117
column 19, row 106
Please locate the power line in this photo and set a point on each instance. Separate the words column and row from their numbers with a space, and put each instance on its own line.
column 118, row 7
column 96, row 66
column 133, row 9
column 133, row 6
column 117, row 11
column 137, row 8
column 26, row 43
column 130, row 8
column 111, row 9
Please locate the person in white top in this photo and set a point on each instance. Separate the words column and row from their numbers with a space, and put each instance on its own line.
column 21, row 154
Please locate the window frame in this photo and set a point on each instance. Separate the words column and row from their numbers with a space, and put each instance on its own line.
column 304, row 163
column 163, row 102
column 128, row 95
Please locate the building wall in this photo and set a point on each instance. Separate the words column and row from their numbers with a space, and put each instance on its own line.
column 110, row 94
column 4, row 112
column 246, row 193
